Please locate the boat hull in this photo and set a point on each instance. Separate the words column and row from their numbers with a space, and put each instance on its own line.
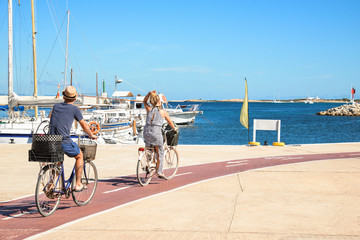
column 15, row 138
column 182, row 118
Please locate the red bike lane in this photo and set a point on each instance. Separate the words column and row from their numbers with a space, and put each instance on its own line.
column 19, row 218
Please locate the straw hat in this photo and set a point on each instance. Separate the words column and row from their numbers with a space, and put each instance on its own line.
column 70, row 93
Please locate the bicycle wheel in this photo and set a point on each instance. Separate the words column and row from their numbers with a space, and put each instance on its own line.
column 171, row 163
column 89, row 179
column 143, row 170
column 48, row 190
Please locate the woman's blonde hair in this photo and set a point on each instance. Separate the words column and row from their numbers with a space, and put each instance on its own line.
column 154, row 99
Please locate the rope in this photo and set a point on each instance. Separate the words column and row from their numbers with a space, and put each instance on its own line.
column 56, row 24
column 206, row 119
column 140, row 89
column 52, row 49
column 3, row 21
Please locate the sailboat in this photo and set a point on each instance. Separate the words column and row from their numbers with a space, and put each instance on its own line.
column 19, row 127
column 309, row 99
column 277, row 100
column 15, row 127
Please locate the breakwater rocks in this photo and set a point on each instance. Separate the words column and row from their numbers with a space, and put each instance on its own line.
column 344, row 110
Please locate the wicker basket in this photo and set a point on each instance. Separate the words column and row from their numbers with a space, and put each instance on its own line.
column 89, row 150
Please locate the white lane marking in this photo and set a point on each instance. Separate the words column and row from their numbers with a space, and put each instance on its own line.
column 118, row 189
column 274, row 157
column 19, row 215
column 283, row 158
column 180, row 174
column 291, row 158
column 235, row 165
column 6, row 201
column 239, row 161
column 354, row 154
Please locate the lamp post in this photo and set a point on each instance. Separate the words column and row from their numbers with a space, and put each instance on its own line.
column 117, row 80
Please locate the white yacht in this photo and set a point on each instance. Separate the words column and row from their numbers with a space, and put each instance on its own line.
column 309, row 100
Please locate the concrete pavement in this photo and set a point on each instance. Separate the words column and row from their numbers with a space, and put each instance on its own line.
column 312, row 200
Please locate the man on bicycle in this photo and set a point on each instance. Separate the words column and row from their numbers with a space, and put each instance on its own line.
column 61, row 118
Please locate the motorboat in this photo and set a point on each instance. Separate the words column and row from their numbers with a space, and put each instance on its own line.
column 114, row 125
column 181, row 114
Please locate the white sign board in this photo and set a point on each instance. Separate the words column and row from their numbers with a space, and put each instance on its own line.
column 266, row 124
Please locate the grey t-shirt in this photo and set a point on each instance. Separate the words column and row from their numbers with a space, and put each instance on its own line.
column 61, row 120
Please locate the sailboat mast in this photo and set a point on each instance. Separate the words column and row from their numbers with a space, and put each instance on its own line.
column 10, row 59
column 67, row 44
column 10, row 50
column 34, row 54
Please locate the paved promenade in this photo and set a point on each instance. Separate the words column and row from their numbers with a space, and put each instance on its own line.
column 306, row 200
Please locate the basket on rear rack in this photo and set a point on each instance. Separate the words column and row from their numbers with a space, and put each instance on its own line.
column 46, row 148
column 89, row 149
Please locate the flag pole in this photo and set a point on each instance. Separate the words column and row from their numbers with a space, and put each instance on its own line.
column 244, row 115
column 248, row 117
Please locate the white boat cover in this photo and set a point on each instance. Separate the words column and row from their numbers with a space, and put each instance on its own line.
column 122, row 94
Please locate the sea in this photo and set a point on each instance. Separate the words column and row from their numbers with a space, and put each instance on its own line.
column 220, row 124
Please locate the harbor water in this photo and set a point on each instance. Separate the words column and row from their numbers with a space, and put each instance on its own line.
column 299, row 124
column 220, row 124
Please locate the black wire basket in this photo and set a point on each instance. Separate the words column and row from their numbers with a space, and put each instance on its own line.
column 46, row 148
column 44, row 143
column 172, row 137
column 47, row 157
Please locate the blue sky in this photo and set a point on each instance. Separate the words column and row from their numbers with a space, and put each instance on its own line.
column 190, row 49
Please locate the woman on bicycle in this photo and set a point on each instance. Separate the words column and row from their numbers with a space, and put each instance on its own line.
column 153, row 127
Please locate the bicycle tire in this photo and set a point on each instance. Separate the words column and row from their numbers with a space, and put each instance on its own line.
column 171, row 163
column 46, row 200
column 143, row 171
column 89, row 179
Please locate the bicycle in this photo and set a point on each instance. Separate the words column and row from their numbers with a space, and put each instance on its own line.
column 146, row 164
column 52, row 185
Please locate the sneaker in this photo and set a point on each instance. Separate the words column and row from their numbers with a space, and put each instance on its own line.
column 161, row 175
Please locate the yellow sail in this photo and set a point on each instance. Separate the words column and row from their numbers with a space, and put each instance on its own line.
column 244, row 116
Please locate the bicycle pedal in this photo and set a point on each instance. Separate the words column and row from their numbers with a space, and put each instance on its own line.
column 67, row 192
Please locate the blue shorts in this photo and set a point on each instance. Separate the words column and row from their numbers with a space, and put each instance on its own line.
column 71, row 149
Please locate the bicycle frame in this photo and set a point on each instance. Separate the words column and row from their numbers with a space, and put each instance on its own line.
column 148, row 155
column 65, row 183
column 152, row 149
